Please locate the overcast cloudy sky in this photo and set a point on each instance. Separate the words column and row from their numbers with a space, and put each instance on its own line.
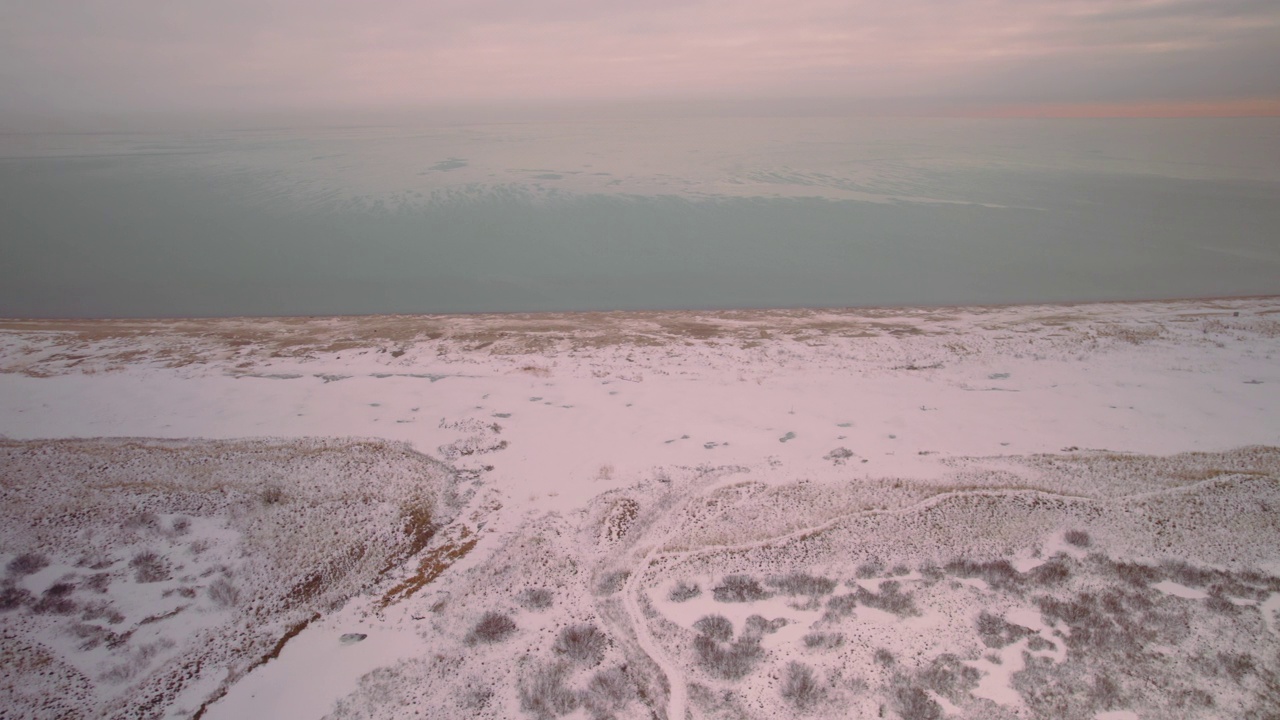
column 86, row 57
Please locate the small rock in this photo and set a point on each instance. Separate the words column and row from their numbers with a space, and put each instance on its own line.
column 352, row 638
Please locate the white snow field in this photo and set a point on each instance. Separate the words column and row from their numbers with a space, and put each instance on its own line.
column 1063, row 511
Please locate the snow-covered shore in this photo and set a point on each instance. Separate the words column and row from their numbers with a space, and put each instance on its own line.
column 580, row 469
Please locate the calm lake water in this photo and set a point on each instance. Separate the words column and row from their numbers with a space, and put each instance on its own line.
column 603, row 215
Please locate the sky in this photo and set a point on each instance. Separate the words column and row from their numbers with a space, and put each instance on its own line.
column 86, row 59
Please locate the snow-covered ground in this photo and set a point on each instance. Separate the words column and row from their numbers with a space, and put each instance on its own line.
column 984, row 512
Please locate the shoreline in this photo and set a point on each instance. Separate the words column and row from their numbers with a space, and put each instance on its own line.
column 6, row 322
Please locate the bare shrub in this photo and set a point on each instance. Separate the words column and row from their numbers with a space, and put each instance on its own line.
column 999, row 574
column 493, row 627
column 271, row 495
column 1221, row 604
column 803, row 584
column 57, row 600
column 181, row 526
column 949, row 677
column 145, row 520
column 608, row 692
column 716, row 627
column 1105, row 693
column 684, row 591
column 1079, row 538
column 1188, row 575
column 1110, row 624
column 931, row 573
column 148, row 567
column 98, row 582
column 13, row 597
column 756, row 626
column 223, row 593
column 101, row 609
column 840, row 606
column 913, row 703
column 823, row 641
column 996, row 632
column 90, row 636
column 1137, row 573
column 581, row 643
column 1193, row 698
column 535, row 598
column 800, row 688
column 1053, row 572
column 612, row 582
column 727, row 661
column 884, row 657
column 544, row 694
column 1236, row 665
column 27, row 563
column 1039, row 642
column 739, row 588
column 869, row 569
column 890, row 599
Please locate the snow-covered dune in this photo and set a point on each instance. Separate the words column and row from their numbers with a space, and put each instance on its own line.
column 1038, row 511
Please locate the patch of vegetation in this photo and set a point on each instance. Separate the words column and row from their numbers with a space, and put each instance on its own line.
column 684, row 591
column 913, row 703
column 884, row 657
column 223, row 593
column 1079, row 538
column 800, row 688
column 802, row 584
column 582, row 644
column 756, row 626
column 996, row 632
column 149, row 567
column 823, row 641
column 1054, row 572
column 612, row 582
column 1113, row 622
column 535, row 598
column 949, row 677
column 998, row 574
column 57, row 600
column 869, row 569
column 1137, row 574
column 271, row 495
column 544, row 695
column 716, row 627
column 721, row 658
column 840, row 606
column 13, row 597
column 890, row 599
column 493, row 627
column 27, row 564
column 1236, row 665
column 740, row 588
column 608, row 692
column 98, row 582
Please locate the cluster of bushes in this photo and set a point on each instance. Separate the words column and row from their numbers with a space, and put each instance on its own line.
column 740, row 588
column 493, row 627
column 684, row 591
column 996, row 632
column 802, row 584
column 719, row 655
column 582, row 644
column 544, row 692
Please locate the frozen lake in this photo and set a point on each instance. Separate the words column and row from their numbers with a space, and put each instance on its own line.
column 645, row 214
